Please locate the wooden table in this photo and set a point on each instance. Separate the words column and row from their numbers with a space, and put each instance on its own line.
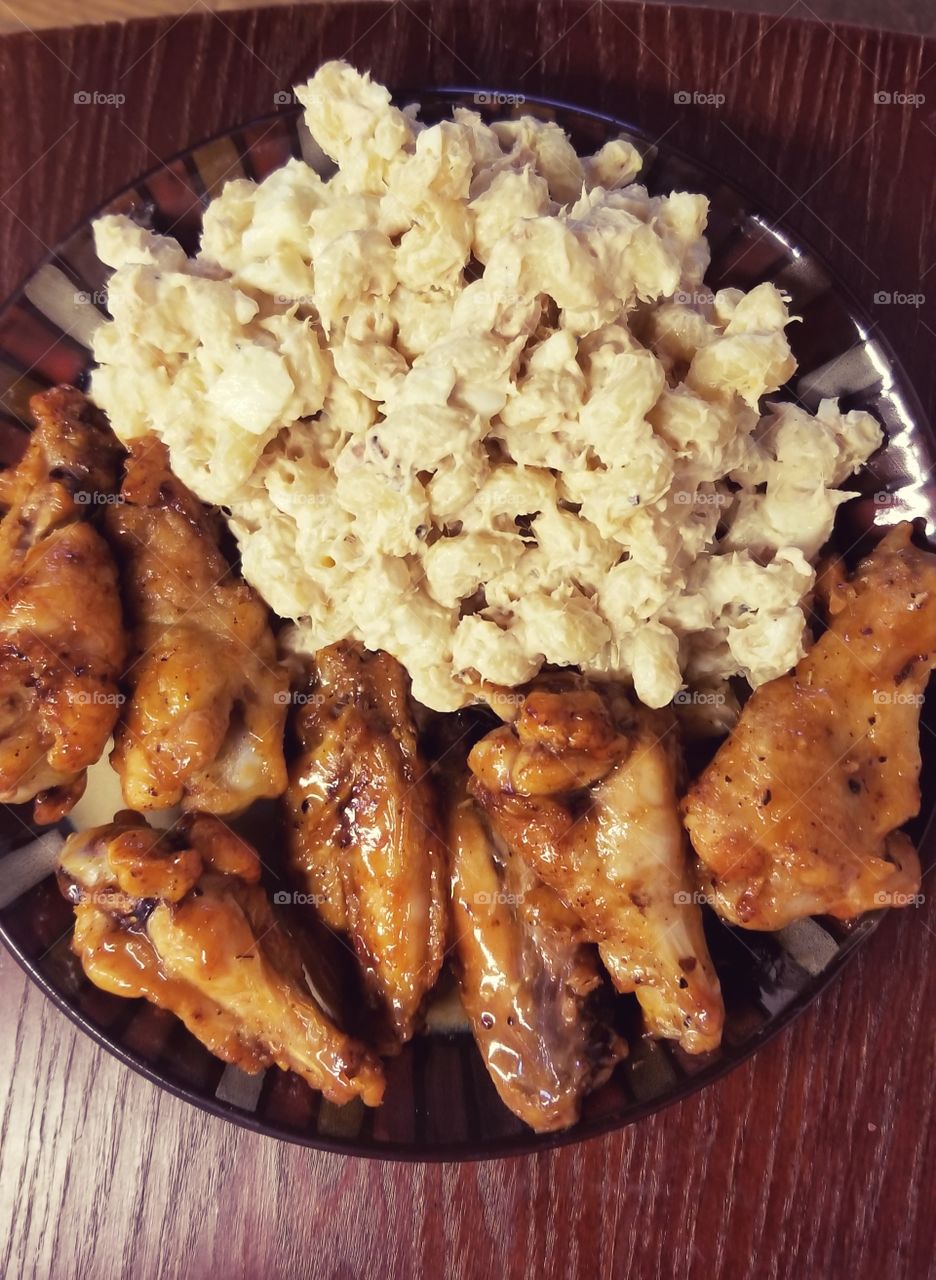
column 817, row 1158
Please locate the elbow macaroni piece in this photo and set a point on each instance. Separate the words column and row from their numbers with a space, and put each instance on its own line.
column 469, row 400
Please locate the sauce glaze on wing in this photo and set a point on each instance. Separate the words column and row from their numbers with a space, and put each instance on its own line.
column 181, row 920
column 208, row 700
column 608, row 840
column 363, row 827
column 62, row 645
column 799, row 812
column 528, row 977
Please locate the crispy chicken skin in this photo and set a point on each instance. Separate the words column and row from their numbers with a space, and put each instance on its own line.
column 609, row 841
column 208, row 700
column 62, row 645
column 181, row 920
column 362, row 827
column 527, row 978
column 798, row 813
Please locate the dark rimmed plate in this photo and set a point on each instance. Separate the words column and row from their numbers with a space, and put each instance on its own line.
column 440, row 1103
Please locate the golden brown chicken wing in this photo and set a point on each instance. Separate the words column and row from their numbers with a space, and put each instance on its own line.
column 180, row 920
column 62, row 644
column 208, row 699
column 798, row 813
column 608, row 839
column 362, row 827
column 528, row 978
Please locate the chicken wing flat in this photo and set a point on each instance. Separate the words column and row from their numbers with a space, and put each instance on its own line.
column 181, row 921
column 527, row 976
column 62, row 645
column 362, row 827
column 798, row 813
column 205, row 720
column 608, row 839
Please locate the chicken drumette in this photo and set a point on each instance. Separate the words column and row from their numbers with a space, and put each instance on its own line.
column 798, row 813
column 582, row 787
column 62, row 645
column 362, row 827
column 528, row 977
column 208, row 700
column 180, row 920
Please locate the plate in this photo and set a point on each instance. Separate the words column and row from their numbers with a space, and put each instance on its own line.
column 440, row 1103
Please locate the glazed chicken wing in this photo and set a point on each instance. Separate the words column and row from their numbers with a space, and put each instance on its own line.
column 62, row 645
column 608, row 839
column 527, row 976
column 181, row 921
column 798, row 813
column 363, row 828
column 204, row 724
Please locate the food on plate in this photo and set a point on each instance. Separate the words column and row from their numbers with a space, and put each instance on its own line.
column 469, row 401
column 179, row 919
column 799, row 812
column 62, row 643
column 481, row 434
column 363, row 826
column 582, row 787
column 208, row 699
column 528, row 977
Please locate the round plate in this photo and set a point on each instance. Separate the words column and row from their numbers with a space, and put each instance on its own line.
column 440, row 1103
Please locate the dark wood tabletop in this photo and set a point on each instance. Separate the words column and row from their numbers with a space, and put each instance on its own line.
column 816, row 1158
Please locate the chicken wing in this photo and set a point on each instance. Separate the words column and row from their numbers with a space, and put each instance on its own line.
column 609, row 841
column 527, row 976
column 798, row 813
column 362, row 827
column 208, row 700
column 62, row 645
column 182, row 921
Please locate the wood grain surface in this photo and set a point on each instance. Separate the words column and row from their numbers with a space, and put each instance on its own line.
column 816, row 1159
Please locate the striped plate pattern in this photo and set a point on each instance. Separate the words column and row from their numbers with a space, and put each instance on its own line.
column 440, row 1103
